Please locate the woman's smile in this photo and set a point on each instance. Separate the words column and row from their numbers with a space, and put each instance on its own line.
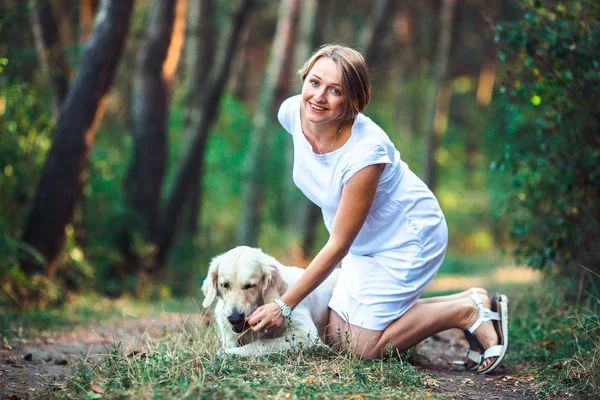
column 322, row 92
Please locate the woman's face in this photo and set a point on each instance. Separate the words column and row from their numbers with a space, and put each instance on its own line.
column 322, row 96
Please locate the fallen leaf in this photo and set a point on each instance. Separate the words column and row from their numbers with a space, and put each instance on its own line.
column 97, row 389
column 6, row 345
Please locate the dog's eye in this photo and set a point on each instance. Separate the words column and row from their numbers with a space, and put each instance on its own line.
column 248, row 286
column 225, row 285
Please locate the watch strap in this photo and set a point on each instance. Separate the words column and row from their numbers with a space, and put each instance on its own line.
column 286, row 310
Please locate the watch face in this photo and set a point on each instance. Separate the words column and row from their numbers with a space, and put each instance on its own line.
column 286, row 313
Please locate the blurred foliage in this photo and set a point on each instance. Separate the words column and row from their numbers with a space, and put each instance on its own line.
column 26, row 124
column 545, row 128
column 551, row 118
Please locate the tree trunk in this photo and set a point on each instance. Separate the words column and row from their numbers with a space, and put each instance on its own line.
column 61, row 180
column 149, row 115
column 50, row 49
column 200, row 54
column 192, row 164
column 374, row 30
column 87, row 11
column 274, row 90
column 436, row 97
column 239, row 77
column 60, row 9
column 403, row 57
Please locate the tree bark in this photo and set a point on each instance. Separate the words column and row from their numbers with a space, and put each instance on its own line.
column 149, row 115
column 403, row 57
column 61, row 182
column 200, row 55
column 192, row 164
column 87, row 11
column 50, row 49
column 274, row 90
column 436, row 97
column 375, row 28
column 239, row 78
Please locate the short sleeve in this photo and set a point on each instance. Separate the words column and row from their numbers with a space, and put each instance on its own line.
column 370, row 154
column 285, row 115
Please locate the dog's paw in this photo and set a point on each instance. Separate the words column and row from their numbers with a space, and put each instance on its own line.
column 221, row 353
column 232, row 351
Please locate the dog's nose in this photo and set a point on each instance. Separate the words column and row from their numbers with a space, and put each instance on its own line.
column 236, row 318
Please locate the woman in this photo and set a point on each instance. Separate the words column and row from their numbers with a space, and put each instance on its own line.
column 385, row 225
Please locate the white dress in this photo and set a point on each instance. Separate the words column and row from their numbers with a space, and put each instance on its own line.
column 402, row 243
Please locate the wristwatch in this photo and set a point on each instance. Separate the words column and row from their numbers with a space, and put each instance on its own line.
column 286, row 310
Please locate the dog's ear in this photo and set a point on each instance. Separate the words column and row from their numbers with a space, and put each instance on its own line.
column 209, row 286
column 273, row 285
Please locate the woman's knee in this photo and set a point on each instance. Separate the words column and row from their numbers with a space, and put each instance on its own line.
column 371, row 353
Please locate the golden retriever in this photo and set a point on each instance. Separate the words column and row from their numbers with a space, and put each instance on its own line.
column 243, row 279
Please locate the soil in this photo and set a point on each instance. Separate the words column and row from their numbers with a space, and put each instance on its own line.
column 26, row 365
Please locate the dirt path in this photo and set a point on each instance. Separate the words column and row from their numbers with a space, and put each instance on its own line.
column 437, row 354
column 26, row 365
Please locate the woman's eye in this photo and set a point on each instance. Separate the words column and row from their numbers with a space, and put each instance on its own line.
column 314, row 83
column 335, row 91
column 248, row 286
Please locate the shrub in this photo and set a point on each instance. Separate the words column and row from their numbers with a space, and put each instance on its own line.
column 551, row 119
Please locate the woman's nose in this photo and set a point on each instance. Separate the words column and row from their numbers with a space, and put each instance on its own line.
column 320, row 95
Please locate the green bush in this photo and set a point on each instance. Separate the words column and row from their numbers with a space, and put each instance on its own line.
column 551, row 118
column 26, row 124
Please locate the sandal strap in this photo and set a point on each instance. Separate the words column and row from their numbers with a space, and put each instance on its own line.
column 474, row 356
column 485, row 314
column 493, row 351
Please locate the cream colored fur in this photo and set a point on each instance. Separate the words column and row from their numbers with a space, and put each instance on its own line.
column 243, row 279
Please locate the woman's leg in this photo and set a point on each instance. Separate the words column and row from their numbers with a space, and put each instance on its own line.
column 418, row 323
column 455, row 296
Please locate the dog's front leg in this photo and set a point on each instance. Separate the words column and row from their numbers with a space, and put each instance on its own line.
column 295, row 341
column 261, row 347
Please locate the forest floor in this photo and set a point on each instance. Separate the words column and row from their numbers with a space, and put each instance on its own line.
column 29, row 364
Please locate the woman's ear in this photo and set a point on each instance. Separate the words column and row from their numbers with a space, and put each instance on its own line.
column 273, row 284
column 209, row 286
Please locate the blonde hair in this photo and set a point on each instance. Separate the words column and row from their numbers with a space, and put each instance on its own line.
column 356, row 86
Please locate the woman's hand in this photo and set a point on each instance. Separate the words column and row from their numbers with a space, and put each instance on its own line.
column 266, row 318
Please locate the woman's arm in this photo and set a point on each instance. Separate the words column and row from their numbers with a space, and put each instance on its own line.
column 357, row 198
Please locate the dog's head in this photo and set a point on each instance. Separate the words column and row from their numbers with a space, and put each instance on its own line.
column 243, row 279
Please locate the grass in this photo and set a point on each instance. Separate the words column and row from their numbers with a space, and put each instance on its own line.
column 188, row 365
column 554, row 343
column 558, row 343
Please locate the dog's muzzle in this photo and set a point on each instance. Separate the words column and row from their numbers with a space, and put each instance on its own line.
column 237, row 321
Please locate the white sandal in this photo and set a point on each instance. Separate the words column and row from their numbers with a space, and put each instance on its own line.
column 498, row 315
column 473, row 358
